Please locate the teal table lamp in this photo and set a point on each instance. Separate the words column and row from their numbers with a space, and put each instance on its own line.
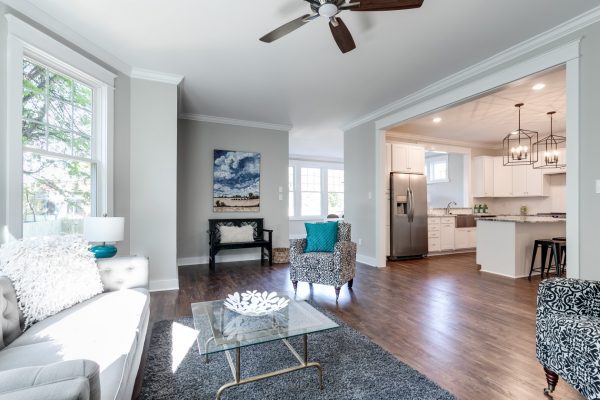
column 103, row 230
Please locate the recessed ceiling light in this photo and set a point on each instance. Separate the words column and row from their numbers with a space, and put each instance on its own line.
column 437, row 120
column 539, row 86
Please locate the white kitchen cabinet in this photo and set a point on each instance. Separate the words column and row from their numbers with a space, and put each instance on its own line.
column 408, row 159
column 483, row 176
column 527, row 181
column 503, row 179
column 447, row 236
column 434, row 245
column 465, row 238
column 388, row 158
column 519, row 179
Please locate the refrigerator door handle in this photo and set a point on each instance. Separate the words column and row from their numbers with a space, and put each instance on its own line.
column 411, row 205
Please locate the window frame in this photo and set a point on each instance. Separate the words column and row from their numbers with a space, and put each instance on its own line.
column 432, row 160
column 297, row 194
column 24, row 41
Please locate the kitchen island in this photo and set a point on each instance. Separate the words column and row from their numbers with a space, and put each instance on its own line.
column 505, row 243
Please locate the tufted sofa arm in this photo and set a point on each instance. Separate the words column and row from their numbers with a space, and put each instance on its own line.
column 568, row 297
column 67, row 380
column 123, row 273
column 10, row 326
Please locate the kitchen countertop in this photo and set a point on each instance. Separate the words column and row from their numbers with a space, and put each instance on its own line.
column 440, row 216
column 529, row 219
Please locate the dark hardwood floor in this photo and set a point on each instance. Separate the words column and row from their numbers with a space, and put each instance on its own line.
column 471, row 332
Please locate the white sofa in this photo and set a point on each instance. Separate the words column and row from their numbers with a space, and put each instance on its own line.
column 89, row 351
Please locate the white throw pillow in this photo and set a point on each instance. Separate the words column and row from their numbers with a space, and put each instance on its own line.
column 236, row 234
column 50, row 274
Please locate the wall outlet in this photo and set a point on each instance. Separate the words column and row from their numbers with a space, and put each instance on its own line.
column 280, row 196
column 598, row 186
column 280, row 190
column 359, row 242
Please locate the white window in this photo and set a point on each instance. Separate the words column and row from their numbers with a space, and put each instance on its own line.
column 291, row 190
column 315, row 190
column 310, row 188
column 335, row 192
column 436, row 168
column 60, row 115
column 58, row 169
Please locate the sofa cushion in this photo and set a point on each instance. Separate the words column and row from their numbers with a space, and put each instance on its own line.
column 76, row 379
column 10, row 327
column 105, row 329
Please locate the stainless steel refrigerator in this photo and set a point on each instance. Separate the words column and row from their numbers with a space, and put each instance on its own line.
column 408, row 215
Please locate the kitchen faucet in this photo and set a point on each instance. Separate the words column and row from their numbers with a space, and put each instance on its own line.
column 452, row 203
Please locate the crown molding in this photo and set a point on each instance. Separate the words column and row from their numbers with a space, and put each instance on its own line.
column 437, row 140
column 237, row 122
column 35, row 14
column 566, row 28
column 155, row 76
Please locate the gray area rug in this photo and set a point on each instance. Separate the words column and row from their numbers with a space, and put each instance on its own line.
column 354, row 367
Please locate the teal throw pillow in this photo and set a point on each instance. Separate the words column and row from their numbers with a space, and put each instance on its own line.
column 321, row 236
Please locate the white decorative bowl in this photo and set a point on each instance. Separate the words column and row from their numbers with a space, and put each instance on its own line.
column 255, row 304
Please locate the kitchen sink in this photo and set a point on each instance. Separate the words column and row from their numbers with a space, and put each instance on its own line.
column 465, row 221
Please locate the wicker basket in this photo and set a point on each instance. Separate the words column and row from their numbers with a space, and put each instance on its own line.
column 281, row 255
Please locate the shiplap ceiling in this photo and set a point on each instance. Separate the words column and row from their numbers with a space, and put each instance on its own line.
column 302, row 79
column 486, row 120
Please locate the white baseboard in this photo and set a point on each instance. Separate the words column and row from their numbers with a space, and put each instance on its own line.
column 371, row 261
column 181, row 262
column 510, row 276
column 161, row 285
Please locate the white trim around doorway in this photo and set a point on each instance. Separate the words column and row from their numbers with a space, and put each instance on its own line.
column 567, row 54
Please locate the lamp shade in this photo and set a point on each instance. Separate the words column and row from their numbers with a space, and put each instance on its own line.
column 103, row 229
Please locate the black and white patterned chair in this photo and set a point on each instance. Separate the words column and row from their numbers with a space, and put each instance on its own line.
column 568, row 334
column 334, row 269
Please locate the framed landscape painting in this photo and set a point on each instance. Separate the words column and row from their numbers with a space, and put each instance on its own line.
column 236, row 181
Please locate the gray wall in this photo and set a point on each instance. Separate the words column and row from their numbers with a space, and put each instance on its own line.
column 122, row 151
column 359, row 181
column 153, row 179
column 197, row 140
column 3, row 139
column 440, row 194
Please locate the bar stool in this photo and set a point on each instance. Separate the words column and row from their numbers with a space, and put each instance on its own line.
column 559, row 253
column 544, row 245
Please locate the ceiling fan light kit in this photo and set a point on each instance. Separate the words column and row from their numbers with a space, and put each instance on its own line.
column 517, row 146
column 330, row 9
column 549, row 147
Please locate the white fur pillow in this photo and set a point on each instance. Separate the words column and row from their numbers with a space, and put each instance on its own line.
column 50, row 274
column 236, row 234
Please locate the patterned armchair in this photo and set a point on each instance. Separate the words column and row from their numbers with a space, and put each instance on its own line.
column 334, row 269
column 568, row 334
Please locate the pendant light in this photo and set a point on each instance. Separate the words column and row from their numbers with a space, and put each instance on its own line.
column 517, row 146
column 548, row 147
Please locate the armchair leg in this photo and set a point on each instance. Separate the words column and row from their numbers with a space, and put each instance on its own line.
column 350, row 283
column 552, row 379
column 337, row 294
column 295, row 283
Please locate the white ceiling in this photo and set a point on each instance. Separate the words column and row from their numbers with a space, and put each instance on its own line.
column 303, row 80
column 486, row 120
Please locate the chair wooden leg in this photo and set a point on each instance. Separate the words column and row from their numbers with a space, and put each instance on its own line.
column 295, row 284
column 350, row 283
column 552, row 379
column 337, row 294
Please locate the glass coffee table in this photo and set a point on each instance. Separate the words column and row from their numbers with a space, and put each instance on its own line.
column 222, row 330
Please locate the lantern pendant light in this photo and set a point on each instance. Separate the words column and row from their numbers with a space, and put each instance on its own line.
column 549, row 147
column 517, row 146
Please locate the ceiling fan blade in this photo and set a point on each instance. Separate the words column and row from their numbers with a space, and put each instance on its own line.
column 287, row 28
column 383, row 5
column 342, row 35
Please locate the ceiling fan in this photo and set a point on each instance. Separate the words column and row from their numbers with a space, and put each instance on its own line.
column 330, row 10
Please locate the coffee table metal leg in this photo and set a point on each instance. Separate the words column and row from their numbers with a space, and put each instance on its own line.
column 236, row 368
